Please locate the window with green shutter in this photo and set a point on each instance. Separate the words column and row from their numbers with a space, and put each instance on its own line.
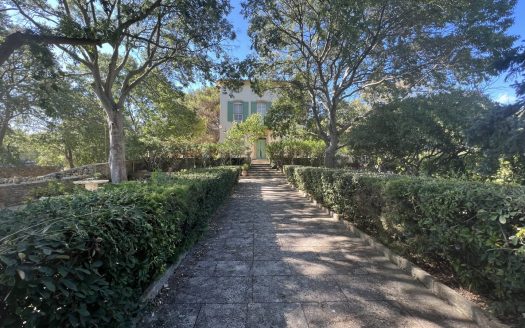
column 254, row 107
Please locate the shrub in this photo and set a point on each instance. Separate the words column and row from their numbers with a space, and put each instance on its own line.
column 53, row 188
column 477, row 228
column 295, row 151
column 85, row 259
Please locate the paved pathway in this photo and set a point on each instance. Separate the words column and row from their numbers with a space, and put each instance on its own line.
column 271, row 259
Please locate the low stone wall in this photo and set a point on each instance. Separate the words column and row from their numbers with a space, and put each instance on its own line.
column 16, row 194
column 86, row 170
column 27, row 171
column 15, row 191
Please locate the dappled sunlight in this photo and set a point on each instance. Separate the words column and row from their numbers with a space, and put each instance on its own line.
column 271, row 257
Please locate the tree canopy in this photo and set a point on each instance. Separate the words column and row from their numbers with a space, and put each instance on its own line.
column 337, row 50
column 137, row 39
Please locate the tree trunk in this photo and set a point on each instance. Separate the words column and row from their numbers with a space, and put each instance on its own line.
column 330, row 152
column 4, row 125
column 69, row 156
column 117, row 155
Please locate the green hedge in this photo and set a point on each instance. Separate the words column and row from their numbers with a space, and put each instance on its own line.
column 85, row 259
column 476, row 228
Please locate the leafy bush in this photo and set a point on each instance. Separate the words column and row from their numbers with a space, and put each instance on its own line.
column 53, row 188
column 478, row 228
column 295, row 151
column 85, row 259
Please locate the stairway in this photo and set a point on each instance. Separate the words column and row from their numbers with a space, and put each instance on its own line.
column 263, row 171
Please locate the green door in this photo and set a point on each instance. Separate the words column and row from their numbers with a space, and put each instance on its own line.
column 261, row 149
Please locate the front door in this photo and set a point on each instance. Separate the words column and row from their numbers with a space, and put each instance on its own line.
column 261, row 149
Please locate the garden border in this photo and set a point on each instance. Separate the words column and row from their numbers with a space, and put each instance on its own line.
column 463, row 305
column 155, row 287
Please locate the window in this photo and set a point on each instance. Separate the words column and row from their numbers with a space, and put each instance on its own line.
column 237, row 112
column 262, row 108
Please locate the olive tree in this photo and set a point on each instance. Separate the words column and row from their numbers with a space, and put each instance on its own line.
column 183, row 37
column 337, row 50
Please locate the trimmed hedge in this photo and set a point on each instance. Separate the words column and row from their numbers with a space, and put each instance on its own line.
column 477, row 228
column 85, row 259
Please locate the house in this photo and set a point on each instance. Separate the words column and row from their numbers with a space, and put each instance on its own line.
column 236, row 106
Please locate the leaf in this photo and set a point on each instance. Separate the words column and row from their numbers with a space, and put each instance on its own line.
column 7, row 260
column 502, row 219
column 83, row 310
column 46, row 270
column 69, row 284
column 21, row 274
column 63, row 271
column 96, row 264
column 49, row 284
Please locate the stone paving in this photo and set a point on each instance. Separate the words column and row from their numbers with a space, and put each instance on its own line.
column 271, row 259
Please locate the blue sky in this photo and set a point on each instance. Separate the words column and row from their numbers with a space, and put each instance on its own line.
column 498, row 88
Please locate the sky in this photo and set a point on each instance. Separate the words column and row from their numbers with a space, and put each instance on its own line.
column 499, row 89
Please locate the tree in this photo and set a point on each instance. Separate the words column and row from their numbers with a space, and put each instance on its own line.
column 335, row 50
column 24, row 79
column 513, row 62
column 501, row 131
column 500, row 134
column 249, row 130
column 140, row 37
column 205, row 102
column 422, row 134
column 160, row 119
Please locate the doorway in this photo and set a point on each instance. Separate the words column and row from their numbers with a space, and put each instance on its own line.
column 260, row 149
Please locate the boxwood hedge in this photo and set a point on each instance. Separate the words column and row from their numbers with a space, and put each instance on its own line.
column 476, row 228
column 85, row 259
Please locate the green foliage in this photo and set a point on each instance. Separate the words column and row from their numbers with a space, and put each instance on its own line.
column 249, row 130
column 288, row 151
column 288, row 113
column 500, row 134
column 84, row 259
column 513, row 61
column 54, row 188
column 475, row 227
column 341, row 50
column 206, row 104
column 421, row 135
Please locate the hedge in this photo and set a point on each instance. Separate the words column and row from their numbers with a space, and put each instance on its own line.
column 476, row 228
column 85, row 259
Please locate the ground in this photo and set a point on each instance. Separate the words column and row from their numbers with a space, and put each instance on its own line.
column 271, row 259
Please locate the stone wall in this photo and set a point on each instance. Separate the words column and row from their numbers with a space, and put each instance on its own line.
column 16, row 194
column 15, row 191
column 27, row 171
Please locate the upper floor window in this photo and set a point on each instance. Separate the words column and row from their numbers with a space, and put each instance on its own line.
column 262, row 108
column 237, row 112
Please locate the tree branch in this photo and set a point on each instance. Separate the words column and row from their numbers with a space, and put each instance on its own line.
column 18, row 39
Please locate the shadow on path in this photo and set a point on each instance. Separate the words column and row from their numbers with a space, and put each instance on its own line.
column 271, row 259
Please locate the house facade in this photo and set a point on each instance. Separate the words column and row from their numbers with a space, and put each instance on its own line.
column 237, row 106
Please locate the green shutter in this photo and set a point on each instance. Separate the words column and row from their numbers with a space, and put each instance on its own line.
column 230, row 111
column 254, row 107
column 267, row 110
column 245, row 110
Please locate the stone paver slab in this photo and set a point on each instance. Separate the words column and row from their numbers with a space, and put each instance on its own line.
column 264, row 315
column 288, row 289
column 211, row 290
column 222, row 315
column 271, row 259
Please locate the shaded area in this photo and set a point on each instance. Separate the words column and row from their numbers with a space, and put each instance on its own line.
column 271, row 259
